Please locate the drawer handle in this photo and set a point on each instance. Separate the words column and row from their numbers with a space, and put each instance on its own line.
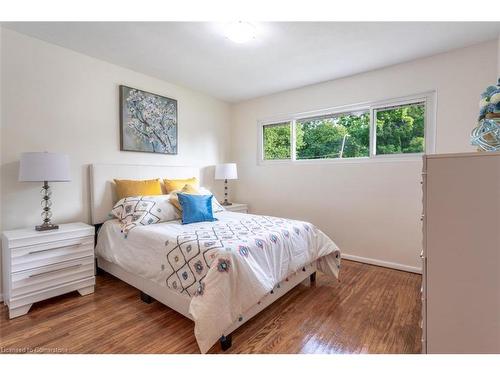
column 59, row 269
column 54, row 248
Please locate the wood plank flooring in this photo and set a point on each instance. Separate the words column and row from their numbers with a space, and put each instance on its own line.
column 372, row 310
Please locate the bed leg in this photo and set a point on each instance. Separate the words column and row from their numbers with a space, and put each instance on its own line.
column 312, row 277
column 226, row 342
column 146, row 298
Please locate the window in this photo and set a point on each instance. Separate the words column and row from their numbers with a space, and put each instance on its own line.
column 400, row 129
column 390, row 128
column 277, row 141
column 344, row 135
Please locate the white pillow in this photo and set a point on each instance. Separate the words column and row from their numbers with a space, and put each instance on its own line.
column 143, row 210
column 216, row 206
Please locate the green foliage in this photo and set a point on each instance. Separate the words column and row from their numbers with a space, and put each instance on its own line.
column 323, row 137
column 399, row 130
column 277, row 140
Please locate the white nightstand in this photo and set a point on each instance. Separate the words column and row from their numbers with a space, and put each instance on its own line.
column 237, row 207
column 41, row 265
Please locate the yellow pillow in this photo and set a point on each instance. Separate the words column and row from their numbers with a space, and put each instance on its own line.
column 132, row 188
column 187, row 189
column 178, row 184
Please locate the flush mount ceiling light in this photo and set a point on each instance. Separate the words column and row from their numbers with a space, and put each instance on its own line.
column 240, row 32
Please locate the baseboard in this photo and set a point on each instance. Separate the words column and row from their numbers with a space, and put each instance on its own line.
column 382, row 263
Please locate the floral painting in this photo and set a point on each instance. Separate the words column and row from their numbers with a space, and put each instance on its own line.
column 148, row 122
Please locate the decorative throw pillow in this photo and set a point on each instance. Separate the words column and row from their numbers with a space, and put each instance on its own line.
column 216, row 206
column 135, row 188
column 187, row 189
column 178, row 184
column 196, row 208
column 143, row 210
column 190, row 189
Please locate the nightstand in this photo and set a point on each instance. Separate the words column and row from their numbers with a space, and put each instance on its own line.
column 237, row 207
column 41, row 265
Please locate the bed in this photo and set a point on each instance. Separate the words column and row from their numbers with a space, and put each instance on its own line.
column 219, row 274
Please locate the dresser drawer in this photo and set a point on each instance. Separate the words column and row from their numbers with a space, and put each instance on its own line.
column 29, row 257
column 40, row 278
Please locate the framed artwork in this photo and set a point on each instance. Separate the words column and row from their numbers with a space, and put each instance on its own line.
column 148, row 122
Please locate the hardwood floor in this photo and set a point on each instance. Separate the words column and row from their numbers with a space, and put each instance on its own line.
column 372, row 310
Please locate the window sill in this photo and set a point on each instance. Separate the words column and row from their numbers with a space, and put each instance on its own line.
column 368, row 160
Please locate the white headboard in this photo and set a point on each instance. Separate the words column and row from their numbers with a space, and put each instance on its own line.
column 102, row 191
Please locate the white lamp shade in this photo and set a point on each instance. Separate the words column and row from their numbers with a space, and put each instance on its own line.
column 226, row 171
column 44, row 166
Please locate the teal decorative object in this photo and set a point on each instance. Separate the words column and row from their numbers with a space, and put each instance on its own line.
column 487, row 134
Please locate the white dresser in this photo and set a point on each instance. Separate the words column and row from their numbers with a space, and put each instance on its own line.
column 41, row 265
column 461, row 253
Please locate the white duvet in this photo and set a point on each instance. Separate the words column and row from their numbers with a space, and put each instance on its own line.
column 226, row 266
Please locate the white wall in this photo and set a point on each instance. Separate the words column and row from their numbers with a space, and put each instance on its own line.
column 58, row 100
column 1, row 117
column 498, row 58
column 371, row 210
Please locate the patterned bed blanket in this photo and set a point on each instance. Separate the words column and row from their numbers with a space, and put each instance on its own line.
column 229, row 265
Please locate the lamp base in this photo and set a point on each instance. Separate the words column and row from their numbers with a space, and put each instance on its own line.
column 46, row 227
column 226, row 203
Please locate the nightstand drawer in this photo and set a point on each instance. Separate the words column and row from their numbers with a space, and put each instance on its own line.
column 241, row 208
column 29, row 257
column 38, row 279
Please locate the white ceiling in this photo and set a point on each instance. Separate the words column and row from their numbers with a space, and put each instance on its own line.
column 283, row 56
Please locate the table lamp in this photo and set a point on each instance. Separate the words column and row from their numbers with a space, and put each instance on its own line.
column 44, row 167
column 226, row 172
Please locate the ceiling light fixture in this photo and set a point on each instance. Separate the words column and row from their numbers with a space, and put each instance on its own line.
column 240, row 32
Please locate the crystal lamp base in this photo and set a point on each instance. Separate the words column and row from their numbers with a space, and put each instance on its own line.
column 46, row 213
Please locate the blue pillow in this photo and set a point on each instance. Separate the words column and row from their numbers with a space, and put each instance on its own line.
column 196, row 208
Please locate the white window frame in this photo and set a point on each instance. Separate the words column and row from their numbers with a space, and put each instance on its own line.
column 261, row 143
column 429, row 98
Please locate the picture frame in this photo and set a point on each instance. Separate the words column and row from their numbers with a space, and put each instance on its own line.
column 148, row 122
